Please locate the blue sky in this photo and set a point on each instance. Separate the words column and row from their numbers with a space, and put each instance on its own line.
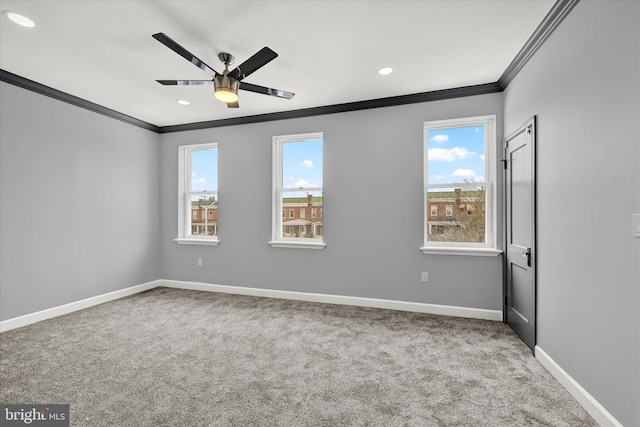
column 456, row 155
column 302, row 164
column 204, row 170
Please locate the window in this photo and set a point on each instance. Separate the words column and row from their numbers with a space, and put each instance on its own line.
column 459, row 169
column 297, row 185
column 198, row 194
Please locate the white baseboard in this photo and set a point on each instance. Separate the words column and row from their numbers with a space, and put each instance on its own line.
column 28, row 319
column 588, row 402
column 445, row 310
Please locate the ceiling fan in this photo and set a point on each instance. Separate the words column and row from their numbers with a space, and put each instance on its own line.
column 227, row 83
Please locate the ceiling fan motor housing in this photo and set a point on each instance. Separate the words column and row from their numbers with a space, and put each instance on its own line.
column 226, row 58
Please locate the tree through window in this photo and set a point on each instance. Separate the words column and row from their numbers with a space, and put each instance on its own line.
column 458, row 182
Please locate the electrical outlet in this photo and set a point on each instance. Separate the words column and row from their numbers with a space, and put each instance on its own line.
column 425, row 276
column 199, row 262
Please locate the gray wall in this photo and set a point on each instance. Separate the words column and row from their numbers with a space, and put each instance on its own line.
column 584, row 87
column 372, row 211
column 79, row 202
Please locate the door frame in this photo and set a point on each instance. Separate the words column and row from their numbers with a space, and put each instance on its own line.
column 530, row 124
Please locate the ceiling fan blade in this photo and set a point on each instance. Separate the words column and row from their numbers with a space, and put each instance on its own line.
column 260, row 59
column 266, row 90
column 185, row 82
column 233, row 104
column 171, row 44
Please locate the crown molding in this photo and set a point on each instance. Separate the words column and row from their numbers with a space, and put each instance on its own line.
column 33, row 86
column 437, row 95
column 556, row 15
column 341, row 108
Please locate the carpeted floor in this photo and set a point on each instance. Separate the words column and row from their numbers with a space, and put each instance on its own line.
column 169, row 357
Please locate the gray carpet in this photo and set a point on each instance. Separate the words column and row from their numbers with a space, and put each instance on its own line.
column 169, row 357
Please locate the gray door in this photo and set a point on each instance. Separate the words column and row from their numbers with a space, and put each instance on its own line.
column 520, row 253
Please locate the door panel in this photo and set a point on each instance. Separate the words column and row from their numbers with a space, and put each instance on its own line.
column 520, row 280
column 519, row 169
column 520, row 303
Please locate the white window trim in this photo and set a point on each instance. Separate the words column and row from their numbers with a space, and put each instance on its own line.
column 184, row 208
column 459, row 250
column 489, row 248
column 297, row 244
column 277, row 241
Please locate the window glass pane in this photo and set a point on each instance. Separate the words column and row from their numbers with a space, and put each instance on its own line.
column 456, row 155
column 302, row 164
column 458, row 174
column 297, row 184
column 204, row 215
column 460, row 214
column 301, row 225
column 198, row 193
column 204, row 170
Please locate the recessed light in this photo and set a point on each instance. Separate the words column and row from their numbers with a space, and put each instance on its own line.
column 19, row 19
column 385, row 71
column 183, row 102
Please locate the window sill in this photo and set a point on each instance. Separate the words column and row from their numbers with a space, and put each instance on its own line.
column 186, row 241
column 432, row 250
column 296, row 245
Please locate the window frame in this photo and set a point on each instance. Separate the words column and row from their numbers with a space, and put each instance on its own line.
column 489, row 247
column 185, row 193
column 277, row 238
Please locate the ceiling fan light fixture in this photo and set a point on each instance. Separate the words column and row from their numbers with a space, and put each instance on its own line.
column 226, row 88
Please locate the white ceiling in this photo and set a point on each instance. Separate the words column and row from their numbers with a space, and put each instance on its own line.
column 329, row 51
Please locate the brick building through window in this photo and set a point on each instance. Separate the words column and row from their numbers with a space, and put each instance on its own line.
column 204, row 214
column 456, row 211
column 297, row 225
